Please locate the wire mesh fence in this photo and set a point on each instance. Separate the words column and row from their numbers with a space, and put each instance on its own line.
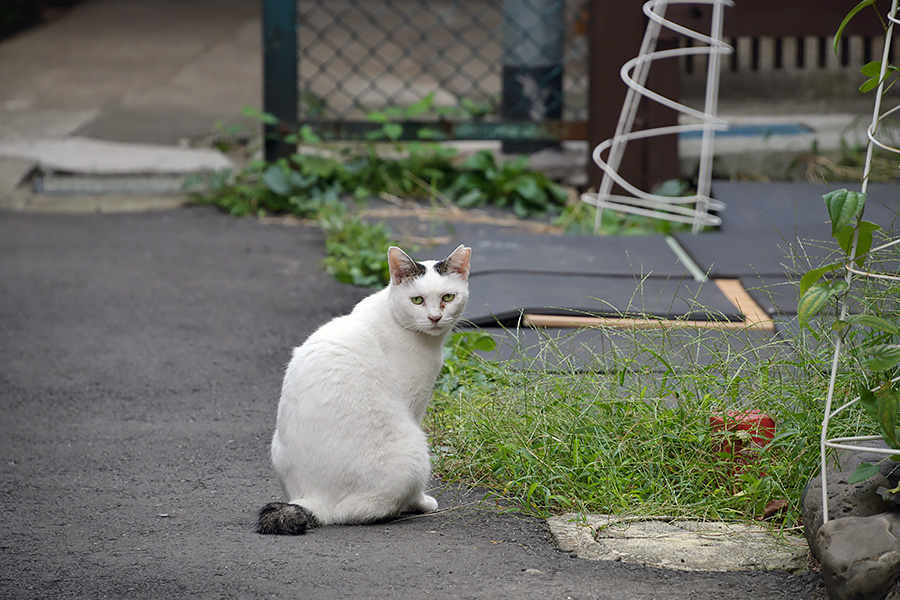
column 457, row 60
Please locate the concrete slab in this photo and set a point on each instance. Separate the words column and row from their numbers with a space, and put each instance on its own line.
column 83, row 155
column 684, row 545
column 134, row 71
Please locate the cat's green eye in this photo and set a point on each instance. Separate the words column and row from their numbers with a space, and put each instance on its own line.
column 448, row 297
column 417, row 300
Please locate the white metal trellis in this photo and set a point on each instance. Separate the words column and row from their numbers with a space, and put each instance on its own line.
column 695, row 208
column 850, row 443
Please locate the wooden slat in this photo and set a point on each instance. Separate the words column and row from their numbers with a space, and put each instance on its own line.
column 754, row 316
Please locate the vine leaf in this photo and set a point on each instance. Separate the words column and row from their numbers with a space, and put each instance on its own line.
column 864, row 240
column 884, row 356
column 843, row 206
column 872, row 70
column 276, row 180
column 813, row 276
column 863, row 472
column 868, row 401
column 888, row 411
column 816, row 297
column 850, row 15
column 873, row 322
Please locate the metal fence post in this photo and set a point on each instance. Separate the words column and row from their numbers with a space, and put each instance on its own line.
column 280, row 96
column 532, row 65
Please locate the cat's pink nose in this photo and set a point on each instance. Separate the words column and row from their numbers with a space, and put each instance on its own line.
column 434, row 319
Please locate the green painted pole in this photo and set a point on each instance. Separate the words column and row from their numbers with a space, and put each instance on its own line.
column 280, row 75
column 533, row 33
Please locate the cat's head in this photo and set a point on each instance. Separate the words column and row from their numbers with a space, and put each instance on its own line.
column 430, row 296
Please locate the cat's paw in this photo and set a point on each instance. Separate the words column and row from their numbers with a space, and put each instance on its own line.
column 425, row 504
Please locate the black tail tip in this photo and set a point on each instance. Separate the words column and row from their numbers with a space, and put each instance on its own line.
column 284, row 519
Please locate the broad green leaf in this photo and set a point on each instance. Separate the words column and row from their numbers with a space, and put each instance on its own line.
column 816, row 297
column 873, row 322
column 840, row 325
column 473, row 197
column 263, row 117
column 888, row 411
column 864, row 241
column 844, row 238
column 847, row 19
column 843, row 206
column 884, row 356
column 484, row 342
column 813, row 276
column 868, row 401
column 869, row 84
column 420, row 107
column 872, row 70
column 427, row 133
column 530, row 190
column 483, row 160
column 392, row 130
column 276, row 180
column 309, row 136
column 863, row 471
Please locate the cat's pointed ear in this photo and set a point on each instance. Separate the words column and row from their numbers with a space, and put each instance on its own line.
column 458, row 262
column 402, row 266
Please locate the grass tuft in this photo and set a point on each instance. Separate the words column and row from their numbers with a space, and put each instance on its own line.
column 628, row 432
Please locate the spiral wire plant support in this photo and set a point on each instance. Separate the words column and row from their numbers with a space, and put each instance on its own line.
column 695, row 208
column 852, row 443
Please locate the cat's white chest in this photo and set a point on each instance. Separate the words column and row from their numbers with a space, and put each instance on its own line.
column 413, row 361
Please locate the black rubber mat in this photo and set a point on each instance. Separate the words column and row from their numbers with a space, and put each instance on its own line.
column 796, row 209
column 775, row 295
column 743, row 254
column 503, row 296
column 569, row 254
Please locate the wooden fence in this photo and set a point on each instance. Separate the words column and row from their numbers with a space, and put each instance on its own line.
column 783, row 51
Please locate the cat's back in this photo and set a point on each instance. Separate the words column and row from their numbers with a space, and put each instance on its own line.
column 344, row 339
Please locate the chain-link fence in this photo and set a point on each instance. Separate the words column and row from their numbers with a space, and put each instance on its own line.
column 462, row 60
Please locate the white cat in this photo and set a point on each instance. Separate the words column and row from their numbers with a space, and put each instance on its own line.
column 348, row 444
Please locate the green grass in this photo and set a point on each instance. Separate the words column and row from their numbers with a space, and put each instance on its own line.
column 628, row 432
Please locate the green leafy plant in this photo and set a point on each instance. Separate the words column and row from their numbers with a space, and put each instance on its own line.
column 871, row 70
column 461, row 356
column 356, row 251
column 482, row 181
column 874, row 337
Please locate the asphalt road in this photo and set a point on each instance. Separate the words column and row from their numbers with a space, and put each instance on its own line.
column 140, row 364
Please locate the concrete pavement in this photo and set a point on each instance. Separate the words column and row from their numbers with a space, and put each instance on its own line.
column 141, row 358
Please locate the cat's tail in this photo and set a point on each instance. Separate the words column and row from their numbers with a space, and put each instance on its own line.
column 284, row 519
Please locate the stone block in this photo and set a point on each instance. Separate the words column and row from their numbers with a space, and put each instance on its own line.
column 860, row 556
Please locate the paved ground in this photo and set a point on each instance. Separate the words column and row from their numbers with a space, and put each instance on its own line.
column 140, row 365
column 141, row 357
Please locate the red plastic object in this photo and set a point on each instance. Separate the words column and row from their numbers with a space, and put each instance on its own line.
column 743, row 449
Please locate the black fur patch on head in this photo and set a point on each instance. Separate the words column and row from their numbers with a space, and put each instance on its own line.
column 442, row 267
column 416, row 269
column 282, row 518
